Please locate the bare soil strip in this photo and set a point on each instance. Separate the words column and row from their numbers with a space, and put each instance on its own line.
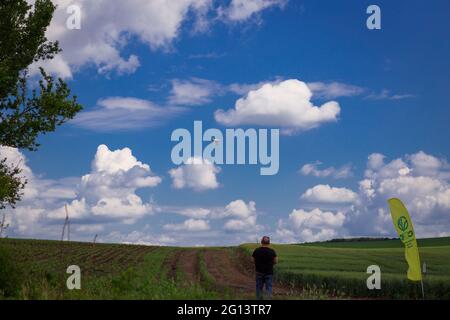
column 183, row 262
column 232, row 272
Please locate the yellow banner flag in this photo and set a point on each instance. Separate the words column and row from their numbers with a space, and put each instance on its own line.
column 403, row 225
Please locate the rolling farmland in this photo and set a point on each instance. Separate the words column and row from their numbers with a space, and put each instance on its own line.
column 340, row 267
column 306, row 271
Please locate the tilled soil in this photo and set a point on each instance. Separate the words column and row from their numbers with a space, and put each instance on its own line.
column 232, row 273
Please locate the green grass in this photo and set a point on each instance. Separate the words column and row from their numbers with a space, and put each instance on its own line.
column 109, row 271
column 340, row 268
column 322, row 270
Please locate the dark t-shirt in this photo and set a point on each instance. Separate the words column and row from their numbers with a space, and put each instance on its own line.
column 264, row 259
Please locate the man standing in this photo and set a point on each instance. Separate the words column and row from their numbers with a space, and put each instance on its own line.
column 264, row 258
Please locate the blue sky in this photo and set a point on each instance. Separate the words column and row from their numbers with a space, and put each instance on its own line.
column 391, row 86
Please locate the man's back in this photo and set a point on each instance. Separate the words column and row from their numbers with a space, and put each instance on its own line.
column 264, row 260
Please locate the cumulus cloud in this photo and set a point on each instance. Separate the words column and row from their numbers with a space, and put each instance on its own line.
column 106, row 194
column 243, row 215
column 420, row 180
column 109, row 26
column 109, row 191
column 240, row 10
column 327, row 194
column 198, row 174
column 308, row 226
column 286, row 104
column 189, row 225
column 124, row 113
column 312, row 169
column 237, row 216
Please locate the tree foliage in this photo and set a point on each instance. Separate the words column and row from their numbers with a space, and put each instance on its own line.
column 11, row 184
column 26, row 113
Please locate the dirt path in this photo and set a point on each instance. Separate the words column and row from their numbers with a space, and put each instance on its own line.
column 235, row 272
column 183, row 263
column 232, row 270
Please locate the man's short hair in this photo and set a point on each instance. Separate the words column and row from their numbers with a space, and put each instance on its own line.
column 265, row 240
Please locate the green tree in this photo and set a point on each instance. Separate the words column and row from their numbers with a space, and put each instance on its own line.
column 11, row 184
column 26, row 113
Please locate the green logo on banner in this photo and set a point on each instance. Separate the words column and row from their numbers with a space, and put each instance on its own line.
column 402, row 223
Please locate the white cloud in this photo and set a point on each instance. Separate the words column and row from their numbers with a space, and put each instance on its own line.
column 314, row 225
column 243, row 215
column 333, row 90
column 138, row 237
column 326, row 194
column 109, row 190
column 286, row 104
column 90, row 229
column 240, row 10
column 337, row 173
column 196, row 213
column 193, row 92
column 197, row 174
column 238, row 215
column 189, row 225
column 387, row 95
column 109, row 26
column 124, row 113
column 106, row 194
column 420, row 180
column 244, row 88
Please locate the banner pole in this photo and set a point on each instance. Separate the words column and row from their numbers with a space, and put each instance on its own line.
column 423, row 292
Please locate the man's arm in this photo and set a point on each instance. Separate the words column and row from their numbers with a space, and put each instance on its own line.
column 275, row 260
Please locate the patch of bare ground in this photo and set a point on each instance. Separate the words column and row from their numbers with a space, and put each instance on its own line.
column 235, row 271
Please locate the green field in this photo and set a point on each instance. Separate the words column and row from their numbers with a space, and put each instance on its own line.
column 340, row 267
column 36, row 269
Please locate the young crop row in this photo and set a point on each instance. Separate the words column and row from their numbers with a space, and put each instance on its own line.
column 108, row 271
column 342, row 271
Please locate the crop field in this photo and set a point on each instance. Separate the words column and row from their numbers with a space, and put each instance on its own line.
column 307, row 271
column 340, row 267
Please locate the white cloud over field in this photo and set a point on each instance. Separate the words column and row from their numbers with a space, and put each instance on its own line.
column 286, row 104
column 106, row 194
column 420, row 180
column 105, row 201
